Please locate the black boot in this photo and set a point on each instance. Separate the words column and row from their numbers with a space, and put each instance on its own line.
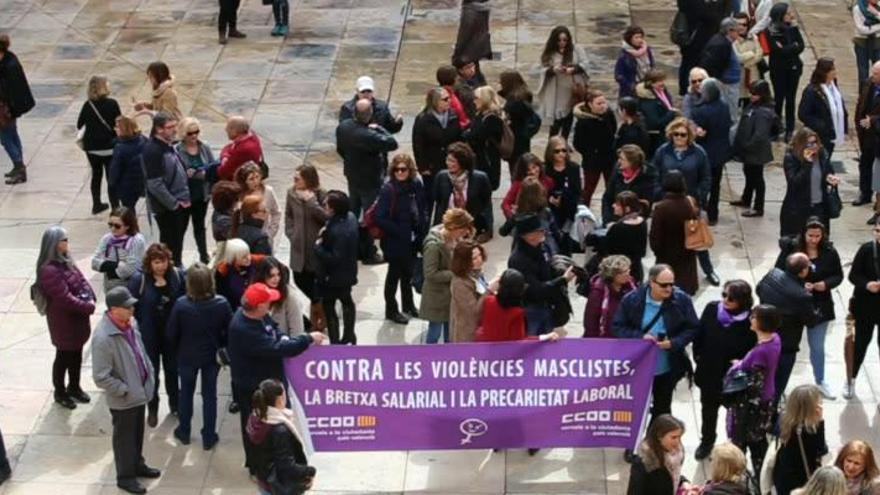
column 15, row 167
column 78, row 395
column 19, row 176
column 64, row 401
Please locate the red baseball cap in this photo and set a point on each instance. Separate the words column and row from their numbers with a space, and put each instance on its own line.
column 260, row 293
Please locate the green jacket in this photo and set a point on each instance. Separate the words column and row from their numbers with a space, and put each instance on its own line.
column 436, row 291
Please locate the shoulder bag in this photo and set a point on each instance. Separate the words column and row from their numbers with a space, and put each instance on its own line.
column 81, row 132
column 835, row 205
column 697, row 234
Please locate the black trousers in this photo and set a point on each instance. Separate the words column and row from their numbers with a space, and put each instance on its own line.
column 714, row 193
column 757, row 451
column 661, row 395
column 754, row 184
column 785, row 84
column 197, row 213
column 128, row 441
column 228, row 15
column 329, row 297
column 172, row 229
column 69, row 363
column 710, row 401
column 562, row 126
column 866, row 173
column 428, row 186
column 100, row 165
column 243, row 397
column 864, row 335
column 399, row 274
column 305, row 281
column 165, row 355
column 4, row 460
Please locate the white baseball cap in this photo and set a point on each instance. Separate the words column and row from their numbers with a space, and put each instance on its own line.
column 365, row 83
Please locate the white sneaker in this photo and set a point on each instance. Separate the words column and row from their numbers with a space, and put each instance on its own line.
column 849, row 390
column 827, row 394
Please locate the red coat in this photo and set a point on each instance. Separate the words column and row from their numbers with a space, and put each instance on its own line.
column 501, row 324
column 513, row 193
column 70, row 301
column 235, row 154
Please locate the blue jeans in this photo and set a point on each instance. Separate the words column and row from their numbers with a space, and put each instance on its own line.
column 705, row 262
column 435, row 328
column 188, row 376
column 538, row 321
column 816, row 339
column 12, row 143
column 865, row 60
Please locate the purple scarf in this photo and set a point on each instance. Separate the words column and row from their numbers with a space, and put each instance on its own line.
column 116, row 243
column 726, row 319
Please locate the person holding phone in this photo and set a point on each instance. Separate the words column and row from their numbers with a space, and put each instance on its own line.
column 808, row 175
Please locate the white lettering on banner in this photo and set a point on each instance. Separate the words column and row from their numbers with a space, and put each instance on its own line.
column 611, row 392
column 334, row 397
column 476, row 368
column 544, row 397
column 418, row 399
column 345, row 370
column 586, row 417
column 583, row 368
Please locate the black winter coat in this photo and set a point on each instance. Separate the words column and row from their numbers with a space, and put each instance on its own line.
column 542, row 286
column 868, row 105
column 789, row 472
column 704, row 19
column 97, row 135
column 646, row 185
column 430, row 139
column 520, row 113
column 634, row 133
column 826, row 268
column 400, row 215
column 566, row 186
column 251, row 231
column 715, row 347
column 126, row 175
column 337, row 252
column 277, row 446
column 716, row 55
column 484, row 136
column 479, row 195
column 797, row 202
column 381, row 114
column 594, row 138
column 679, row 318
column 363, row 152
column 866, row 268
column 714, row 118
column 786, row 45
column 787, row 293
column 153, row 308
column 757, row 126
column 14, row 88
column 650, row 478
column 814, row 111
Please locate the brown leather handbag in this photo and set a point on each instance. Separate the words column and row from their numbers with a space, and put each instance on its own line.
column 697, row 234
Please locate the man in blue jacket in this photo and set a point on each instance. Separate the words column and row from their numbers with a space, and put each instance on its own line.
column 664, row 314
column 257, row 350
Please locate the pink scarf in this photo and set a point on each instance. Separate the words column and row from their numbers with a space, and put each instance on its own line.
column 630, row 174
column 662, row 96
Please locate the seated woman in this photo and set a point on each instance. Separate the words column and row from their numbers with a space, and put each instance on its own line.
column 657, row 470
column 856, row 460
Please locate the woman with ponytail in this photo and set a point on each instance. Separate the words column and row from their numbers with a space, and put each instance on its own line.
column 280, row 463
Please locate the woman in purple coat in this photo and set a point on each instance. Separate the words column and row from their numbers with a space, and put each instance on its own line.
column 69, row 300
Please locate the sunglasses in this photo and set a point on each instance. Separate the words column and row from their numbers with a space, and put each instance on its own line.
column 401, row 169
column 114, row 225
column 726, row 295
column 664, row 285
column 679, row 134
column 560, row 150
column 695, row 81
column 63, row 240
column 193, row 133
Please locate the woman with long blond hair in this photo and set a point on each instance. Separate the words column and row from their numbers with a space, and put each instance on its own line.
column 486, row 132
column 97, row 115
column 802, row 439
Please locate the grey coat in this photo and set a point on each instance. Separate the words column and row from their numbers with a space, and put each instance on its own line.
column 130, row 257
column 302, row 221
column 436, row 291
column 115, row 369
column 166, row 178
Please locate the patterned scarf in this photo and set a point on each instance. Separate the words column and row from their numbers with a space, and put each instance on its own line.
column 459, row 190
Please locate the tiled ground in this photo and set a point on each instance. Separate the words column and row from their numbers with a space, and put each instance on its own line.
column 292, row 89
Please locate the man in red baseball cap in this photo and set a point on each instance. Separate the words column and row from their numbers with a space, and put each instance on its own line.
column 257, row 350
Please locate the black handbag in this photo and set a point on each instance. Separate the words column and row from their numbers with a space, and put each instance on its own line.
column 835, row 205
column 735, row 389
column 280, row 488
column 679, row 34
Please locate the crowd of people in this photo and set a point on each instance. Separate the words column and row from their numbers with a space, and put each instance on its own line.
column 661, row 160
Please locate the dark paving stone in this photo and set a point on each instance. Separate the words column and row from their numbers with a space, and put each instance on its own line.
column 361, row 52
column 307, row 51
column 74, row 52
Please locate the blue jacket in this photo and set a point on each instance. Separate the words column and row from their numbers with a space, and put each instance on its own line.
column 126, row 175
column 400, row 213
column 694, row 164
column 257, row 348
column 626, row 72
column 151, row 312
column 714, row 118
column 679, row 317
column 337, row 252
column 198, row 328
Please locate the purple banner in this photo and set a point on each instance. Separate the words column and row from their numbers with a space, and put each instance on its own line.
column 571, row 393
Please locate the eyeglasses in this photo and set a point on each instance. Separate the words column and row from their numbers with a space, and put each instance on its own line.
column 812, row 144
column 193, row 133
column 663, row 285
column 114, row 225
column 679, row 134
column 560, row 150
column 727, row 295
column 400, row 169
column 63, row 240
column 695, row 81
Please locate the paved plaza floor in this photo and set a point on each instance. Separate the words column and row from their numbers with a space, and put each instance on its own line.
column 292, row 89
